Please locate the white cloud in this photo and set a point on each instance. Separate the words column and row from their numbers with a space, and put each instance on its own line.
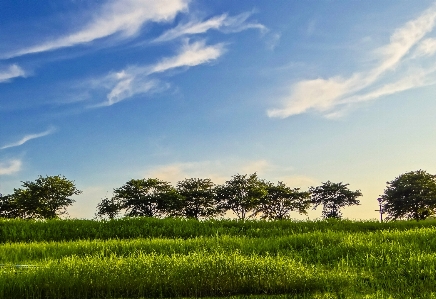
column 328, row 95
column 193, row 27
column 127, row 87
column 239, row 23
column 217, row 171
column 136, row 80
column 221, row 171
column 415, row 79
column 426, row 48
column 179, row 171
column 122, row 17
column 320, row 94
column 13, row 71
column 10, row 167
column 29, row 137
column 223, row 23
column 190, row 55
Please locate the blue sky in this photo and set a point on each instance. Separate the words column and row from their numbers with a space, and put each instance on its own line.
column 297, row 91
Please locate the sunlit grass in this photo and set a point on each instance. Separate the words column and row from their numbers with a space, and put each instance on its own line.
column 222, row 258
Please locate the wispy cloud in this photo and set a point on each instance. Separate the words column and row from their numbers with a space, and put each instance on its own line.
column 137, row 80
column 29, row 137
column 221, row 171
column 128, row 86
column 418, row 78
column 122, row 17
column 13, row 71
column 10, row 167
column 191, row 55
column 272, row 40
column 426, row 48
column 217, row 171
column 179, row 171
column 338, row 93
column 224, row 23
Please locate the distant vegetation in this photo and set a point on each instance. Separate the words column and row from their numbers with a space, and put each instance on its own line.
column 409, row 196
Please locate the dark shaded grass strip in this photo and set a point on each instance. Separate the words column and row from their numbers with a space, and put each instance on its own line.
column 64, row 230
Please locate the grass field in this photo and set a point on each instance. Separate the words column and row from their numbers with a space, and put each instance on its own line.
column 134, row 258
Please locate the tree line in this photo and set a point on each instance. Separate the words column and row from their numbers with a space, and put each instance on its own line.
column 409, row 196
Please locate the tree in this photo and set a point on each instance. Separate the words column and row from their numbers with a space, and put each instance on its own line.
column 411, row 195
column 241, row 195
column 145, row 197
column 8, row 208
column 109, row 207
column 196, row 199
column 280, row 200
column 333, row 197
column 46, row 197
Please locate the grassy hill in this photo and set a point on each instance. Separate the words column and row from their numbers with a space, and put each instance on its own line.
column 145, row 257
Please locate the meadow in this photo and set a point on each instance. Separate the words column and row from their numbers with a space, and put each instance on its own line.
column 163, row 258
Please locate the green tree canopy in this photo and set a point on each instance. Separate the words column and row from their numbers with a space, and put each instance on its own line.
column 144, row 197
column 109, row 207
column 8, row 207
column 241, row 195
column 46, row 197
column 411, row 195
column 197, row 199
column 333, row 197
column 280, row 200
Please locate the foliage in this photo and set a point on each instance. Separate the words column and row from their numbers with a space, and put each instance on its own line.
column 145, row 197
column 8, row 208
column 280, row 200
column 197, row 199
column 333, row 196
column 241, row 194
column 411, row 195
column 108, row 207
column 46, row 197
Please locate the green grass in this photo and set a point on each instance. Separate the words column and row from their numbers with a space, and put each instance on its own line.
column 184, row 258
column 127, row 228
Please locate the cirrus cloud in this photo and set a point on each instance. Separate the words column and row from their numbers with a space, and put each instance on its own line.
column 10, row 167
column 122, row 17
column 190, row 55
column 136, row 80
column 333, row 96
column 13, row 71
column 222, row 23
column 27, row 138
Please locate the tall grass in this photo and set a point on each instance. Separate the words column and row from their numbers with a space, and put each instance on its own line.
column 154, row 275
column 62, row 230
column 184, row 258
column 316, row 247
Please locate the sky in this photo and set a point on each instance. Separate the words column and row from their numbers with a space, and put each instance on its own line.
column 302, row 92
